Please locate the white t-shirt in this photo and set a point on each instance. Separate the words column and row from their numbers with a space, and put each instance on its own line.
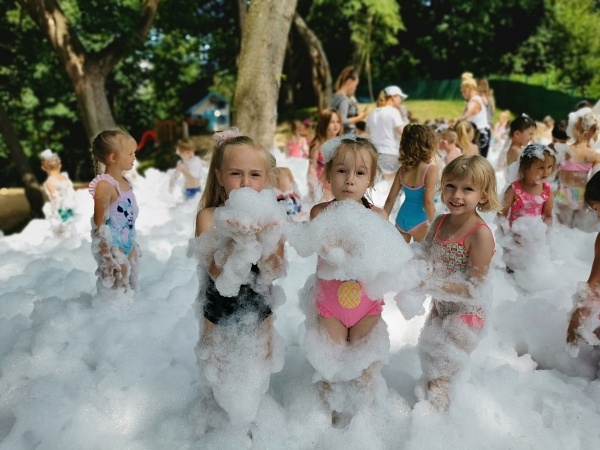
column 382, row 124
column 480, row 120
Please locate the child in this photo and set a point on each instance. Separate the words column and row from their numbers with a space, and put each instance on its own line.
column 240, row 252
column 529, row 196
column 348, row 317
column 459, row 248
column 329, row 125
column 418, row 176
column 522, row 130
column 191, row 167
column 285, row 187
column 584, row 324
column 447, row 145
column 574, row 171
column 297, row 145
column 465, row 136
column 115, row 210
column 61, row 194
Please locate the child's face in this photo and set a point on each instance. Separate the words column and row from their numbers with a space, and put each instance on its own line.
column 523, row 138
column 125, row 157
column 334, row 127
column 244, row 167
column 186, row 153
column 539, row 170
column 350, row 174
column 462, row 196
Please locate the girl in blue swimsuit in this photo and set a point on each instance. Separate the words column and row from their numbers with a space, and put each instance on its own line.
column 418, row 177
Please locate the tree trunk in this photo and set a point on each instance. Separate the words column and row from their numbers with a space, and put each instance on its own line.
column 87, row 71
column 259, row 74
column 33, row 192
column 321, row 75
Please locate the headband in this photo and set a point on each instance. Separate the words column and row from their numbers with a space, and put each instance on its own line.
column 223, row 136
column 329, row 147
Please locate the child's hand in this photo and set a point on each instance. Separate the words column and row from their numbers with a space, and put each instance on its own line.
column 243, row 228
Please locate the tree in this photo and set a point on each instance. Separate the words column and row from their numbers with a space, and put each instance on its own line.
column 320, row 73
column 259, row 75
column 88, row 69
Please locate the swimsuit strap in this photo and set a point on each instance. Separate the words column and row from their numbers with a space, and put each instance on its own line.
column 517, row 185
column 462, row 239
column 479, row 225
column 425, row 173
column 366, row 203
column 104, row 177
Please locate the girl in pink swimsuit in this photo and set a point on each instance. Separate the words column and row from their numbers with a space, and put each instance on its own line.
column 530, row 195
column 459, row 248
column 581, row 160
column 346, row 313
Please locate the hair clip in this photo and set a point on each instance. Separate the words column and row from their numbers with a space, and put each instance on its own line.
column 223, row 136
column 525, row 116
column 329, row 147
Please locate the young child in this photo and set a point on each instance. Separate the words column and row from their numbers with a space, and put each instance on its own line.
column 240, row 252
column 285, row 187
column 115, row 210
column 581, row 159
column 459, row 249
column 418, row 177
column 297, row 145
column 522, row 130
column 529, row 196
column 584, row 325
column 447, row 145
column 191, row 167
column 465, row 136
column 346, row 315
column 329, row 125
column 59, row 188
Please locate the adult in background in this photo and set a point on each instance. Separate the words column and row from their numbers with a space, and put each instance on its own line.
column 384, row 126
column 475, row 112
column 343, row 99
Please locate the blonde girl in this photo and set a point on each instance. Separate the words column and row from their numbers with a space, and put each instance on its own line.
column 228, row 319
column 115, row 210
column 418, row 177
column 459, row 249
column 59, row 188
column 581, row 160
column 465, row 135
column 475, row 111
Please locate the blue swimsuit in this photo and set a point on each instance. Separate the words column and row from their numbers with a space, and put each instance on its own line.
column 412, row 213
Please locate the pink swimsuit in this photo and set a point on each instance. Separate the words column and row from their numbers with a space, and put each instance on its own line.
column 526, row 204
column 454, row 257
column 345, row 300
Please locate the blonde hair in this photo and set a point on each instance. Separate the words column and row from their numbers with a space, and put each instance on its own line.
column 468, row 81
column 185, row 144
column 418, row 144
column 104, row 144
column 50, row 160
column 465, row 133
column 448, row 135
column 214, row 194
column 587, row 127
column 381, row 99
column 355, row 144
column 479, row 170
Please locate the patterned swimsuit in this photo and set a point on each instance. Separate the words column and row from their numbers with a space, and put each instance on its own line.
column 454, row 257
column 526, row 204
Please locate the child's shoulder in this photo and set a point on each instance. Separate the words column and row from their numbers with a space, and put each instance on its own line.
column 317, row 209
column 103, row 184
column 480, row 234
column 380, row 211
column 204, row 220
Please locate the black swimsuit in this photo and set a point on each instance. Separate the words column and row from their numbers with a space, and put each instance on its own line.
column 220, row 309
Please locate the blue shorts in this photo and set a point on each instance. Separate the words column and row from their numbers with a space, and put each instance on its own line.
column 191, row 192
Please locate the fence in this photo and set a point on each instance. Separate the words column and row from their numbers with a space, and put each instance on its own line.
column 535, row 101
